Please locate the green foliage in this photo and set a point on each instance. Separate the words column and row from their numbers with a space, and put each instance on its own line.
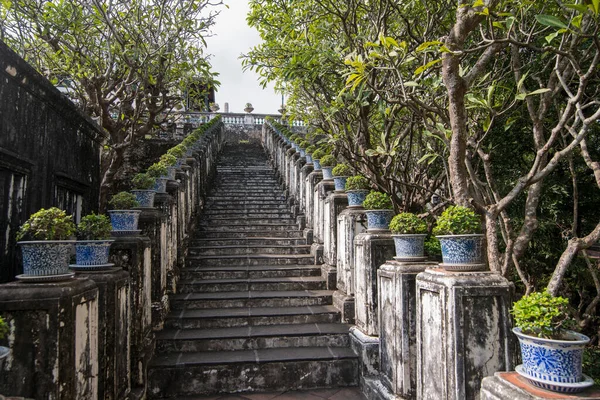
column 357, row 182
column 328, row 161
column 177, row 151
column 50, row 224
column 378, row 201
column 318, row 154
column 407, row 224
column 168, row 159
column 157, row 170
column 94, row 227
column 310, row 149
column 143, row 181
column 433, row 247
column 542, row 315
column 3, row 328
column 304, row 144
column 341, row 170
column 457, row 220
column 591, row 366
column 123, row 201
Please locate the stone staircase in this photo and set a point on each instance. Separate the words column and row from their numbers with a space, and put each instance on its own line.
column 252, row 312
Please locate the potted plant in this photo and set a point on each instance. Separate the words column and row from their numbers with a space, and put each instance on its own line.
column 357, row 188
column 550, row 350
column 4, row 351
column 308, row 153
column 159, row 172
column 379, row 210
column 123, row 218
column 248, row 108
column 93, row 242
column 169, row 161
column 143, row 189
column 327, row 164
column 178, row 152
column 316, row 156
column 458, row 232
column 409, row 233
column 303, row 145
column 340, row 173
column 45, row 240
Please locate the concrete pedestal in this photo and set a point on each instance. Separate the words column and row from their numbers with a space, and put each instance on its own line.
column 371, row 251
column 367, row 349
column 463, row 332
column 53, row 338
column 397, row 326
column 511, row 386
column 335, row 203
column 309, row 206
column 322, row 190
column 306, row 170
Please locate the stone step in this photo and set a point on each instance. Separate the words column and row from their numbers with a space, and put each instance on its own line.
column 251, row 316
column 241, row 213
column 246, row 197
column 288, row 298
column 248, row 249
column 223, row 221
column 248, row 228
column 250, row 259
column 261, row 284
column 212, row 233
column 248, row 241
column 253, row 338
column 242, row 206
column 249, row 271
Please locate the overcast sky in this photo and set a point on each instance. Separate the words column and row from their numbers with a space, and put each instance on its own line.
column 232, row 37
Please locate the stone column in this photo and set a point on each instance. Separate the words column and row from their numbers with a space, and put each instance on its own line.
column 53, row 337
column 335, row 203
column 463, row 332
column 322, row 190
column 306, row 170
column 311, row 181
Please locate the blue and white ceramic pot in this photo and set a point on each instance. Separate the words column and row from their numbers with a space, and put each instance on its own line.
column 379, row 220
column 92, row 252
column 327, row 173
column 309, row 159
column 124, row 220
column 46, row 257
column 144, row 197
column 462, row 252
column 356, row 197
column 302, row 153
column 317, row 164
column 161, row 185
column 554, row 364
column 340, row 183
column 171, row 173
column 409, row 246
column 4, row 352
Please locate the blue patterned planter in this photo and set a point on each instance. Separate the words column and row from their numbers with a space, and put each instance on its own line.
column 309, row 159
column 144, row 197
column 356, row 197
column 46, row 257
column 379, row 220
column 92, row 252
column 340, row 183
column 171, row 173
column 410, row 246
column 124, row 220
column 548, row 363
column 327, row 173
column 461, row 250
column 302, row 153
column 161, row 185
column 4, row 352
column 317, row 165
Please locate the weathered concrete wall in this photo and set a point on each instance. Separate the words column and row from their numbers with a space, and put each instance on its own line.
column 49, row 154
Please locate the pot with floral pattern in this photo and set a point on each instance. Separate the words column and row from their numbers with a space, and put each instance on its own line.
column 379, row 210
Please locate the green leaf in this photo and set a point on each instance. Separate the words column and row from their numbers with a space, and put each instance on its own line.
column 425, row 67
column 539, row 91
column 426, row 45
column 577, row 7
column 551, row 20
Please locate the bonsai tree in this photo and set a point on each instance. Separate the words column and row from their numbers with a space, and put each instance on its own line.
column 304, row 144
column 168, row 159
column 408, row 224
column 310, row 149
column 50, row 224
column 123, row 201
column 94, row 227
column 177, row 151
column 457, row 220
column 342, row 170
column 318, row 154
column 3, row 328
column 378, row 201
column 328, row 161
column 542, row 315
column 143, row 181
column 157, row 170
column 358, row 182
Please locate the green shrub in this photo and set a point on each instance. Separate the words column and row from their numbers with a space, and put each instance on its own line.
column 357, row 182
column 457, row 220
column 318, row 154
column 177, row 151
column 3, row 328
column 304, row 144
column 377, row 201
column 143, row 181
column 328, row 161
column 341, row 170
column 123, row 201
column 433, row 248
column 408, row 224
column 168, row 159
column 50, row 224
column 94, row 227
column 591, row 366
column 157, row 170
column 542, row 315
column 310, row 149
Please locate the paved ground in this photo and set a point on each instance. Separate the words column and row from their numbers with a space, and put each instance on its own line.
column 321, row 394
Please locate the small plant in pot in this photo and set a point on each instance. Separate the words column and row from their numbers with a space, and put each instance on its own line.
column 123, row 217
column 327, row 164
column 178, row 152
column 159, row 172
column 462, row 245
column 551, row 352
column 303, row 145
column 409, row 233
column 308, row 153
column 340, row 173
column 46, row 244
column 143, row 189
column 93, row 242
column 316, row 156
column 357, row 188
column 4, row 351
column 169, row 161
column 379, row 210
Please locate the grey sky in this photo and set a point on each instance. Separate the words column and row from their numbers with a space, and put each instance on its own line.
column 232, row 37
